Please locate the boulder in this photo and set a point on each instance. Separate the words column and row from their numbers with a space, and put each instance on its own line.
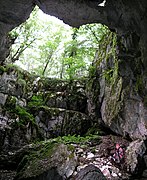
column 90, row 172
column 134, row 156
column 50, row 161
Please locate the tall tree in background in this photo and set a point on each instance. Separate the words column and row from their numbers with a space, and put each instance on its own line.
column 25, row 36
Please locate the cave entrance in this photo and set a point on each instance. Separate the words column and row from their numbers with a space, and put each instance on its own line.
column 45, row 46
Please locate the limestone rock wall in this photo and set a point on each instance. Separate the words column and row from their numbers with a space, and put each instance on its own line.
column 34, row 108
column 123, row 86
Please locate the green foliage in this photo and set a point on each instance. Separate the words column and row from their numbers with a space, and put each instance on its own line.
column 23, row 115
column 2, row 69
column 24, row 37
column 36, row 101
column 76, row 139
column 18, row 112
column 60, row 51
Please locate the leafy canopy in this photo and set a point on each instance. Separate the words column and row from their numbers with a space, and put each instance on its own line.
column 50, row 48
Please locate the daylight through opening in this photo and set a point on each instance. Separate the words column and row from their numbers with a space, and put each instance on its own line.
column 45, row 46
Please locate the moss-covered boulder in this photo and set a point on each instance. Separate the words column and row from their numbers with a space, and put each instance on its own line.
column 51, row 160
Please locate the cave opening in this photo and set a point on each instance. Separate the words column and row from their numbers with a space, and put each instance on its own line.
column 45, row 46
column 33, row 108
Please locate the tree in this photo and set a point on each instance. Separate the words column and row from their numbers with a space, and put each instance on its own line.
column 24, row 37
column 54, row 49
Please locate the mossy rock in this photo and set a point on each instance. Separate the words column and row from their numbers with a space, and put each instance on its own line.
column 48, row 157
column 113, row 102
column 18, row 112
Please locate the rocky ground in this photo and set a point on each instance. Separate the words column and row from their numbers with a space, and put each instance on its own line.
column 98, row 152
column 100, row 155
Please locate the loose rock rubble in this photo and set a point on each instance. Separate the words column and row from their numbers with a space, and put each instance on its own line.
column 101, row 158
column 97, row 154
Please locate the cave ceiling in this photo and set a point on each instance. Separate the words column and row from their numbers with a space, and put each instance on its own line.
column 120, row 14
column 123, row 16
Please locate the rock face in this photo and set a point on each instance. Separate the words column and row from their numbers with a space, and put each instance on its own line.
column 134, row 154
column 123, row 92
column 32, row 108
column 55, row 122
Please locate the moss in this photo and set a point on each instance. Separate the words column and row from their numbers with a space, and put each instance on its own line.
column 106, row 52
column 24, row 115
column 10, row 103
column 111, row 72
column 71, row 147
column 50, row 111
column 2, row 69
column 36, row 101
column 52, row 84
column 114, row 101
column 92, row 71
column 21, row 82
column 14, row 68
column 18, row 112
column 35, row 162
column 11, row 66
column 95, row 129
